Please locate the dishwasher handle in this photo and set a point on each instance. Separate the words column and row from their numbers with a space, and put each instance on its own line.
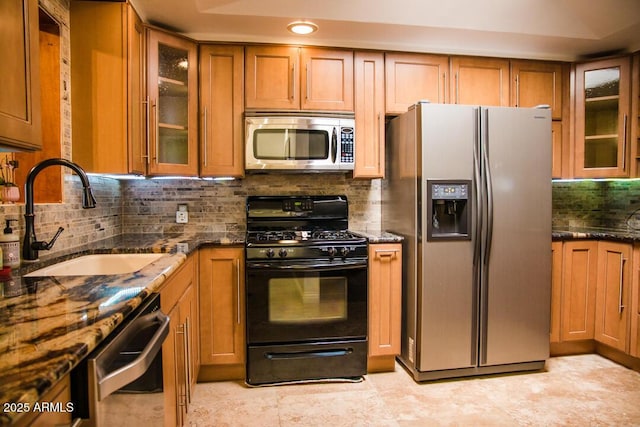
column 108, row 382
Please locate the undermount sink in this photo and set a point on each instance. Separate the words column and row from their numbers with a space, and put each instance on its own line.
column 98, row 264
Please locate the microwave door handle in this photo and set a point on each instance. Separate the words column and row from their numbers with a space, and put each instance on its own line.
column 334, row 145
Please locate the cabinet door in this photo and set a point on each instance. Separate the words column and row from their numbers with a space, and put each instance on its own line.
column 137, row 105
column 221, row 111
column 537, row 83
column 601, row 118
column 556, row 290
column 107, row 47
column 414, row 77
column 480, row 81
column 20, row 125
column 614, row 262
column 326, row 80
column 171, row 355
column 222, row 319
column 580, row 264
column 369, row 113
column 172, row 87
column 634, row 348
column 385, row 299
column 556, row 149
column 272, row 77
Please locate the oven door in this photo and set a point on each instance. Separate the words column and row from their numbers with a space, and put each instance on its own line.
column 306, row 301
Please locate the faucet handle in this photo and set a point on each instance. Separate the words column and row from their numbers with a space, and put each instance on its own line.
column 47, row 245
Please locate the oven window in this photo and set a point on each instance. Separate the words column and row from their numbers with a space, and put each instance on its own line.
column 290, row 144
column 303, row 300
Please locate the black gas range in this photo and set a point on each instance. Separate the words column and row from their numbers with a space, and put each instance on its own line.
column 306, row 290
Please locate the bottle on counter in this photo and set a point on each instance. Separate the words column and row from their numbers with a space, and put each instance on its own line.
column 10, row 246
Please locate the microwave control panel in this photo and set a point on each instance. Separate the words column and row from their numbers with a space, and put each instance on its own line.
column 346, row 144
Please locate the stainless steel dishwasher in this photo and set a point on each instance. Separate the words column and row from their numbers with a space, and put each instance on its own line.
column 120, row 382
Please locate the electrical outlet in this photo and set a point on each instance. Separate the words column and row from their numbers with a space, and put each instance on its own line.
column 182, row 217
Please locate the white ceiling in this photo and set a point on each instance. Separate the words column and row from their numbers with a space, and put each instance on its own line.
column 541, row 29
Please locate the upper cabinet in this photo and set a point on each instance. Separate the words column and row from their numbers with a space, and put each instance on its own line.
column 221, row 111
column 369, row 114
column 601, row 118
column 414, row 77
column 20, row 126
column 298, row 78
column 172, row 85
column 537, row 83
column 107, row 48
column 479, row 81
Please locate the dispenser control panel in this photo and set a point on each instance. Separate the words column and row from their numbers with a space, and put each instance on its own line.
column 450, row 191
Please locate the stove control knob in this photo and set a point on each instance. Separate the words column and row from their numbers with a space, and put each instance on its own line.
column 270, row 253
column 331, row 251
column 282, row 253
column 344, row 251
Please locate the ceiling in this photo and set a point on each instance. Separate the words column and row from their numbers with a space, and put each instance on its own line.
column 566, row 30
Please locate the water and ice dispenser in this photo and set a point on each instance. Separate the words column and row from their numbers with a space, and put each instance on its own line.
column 448, row 210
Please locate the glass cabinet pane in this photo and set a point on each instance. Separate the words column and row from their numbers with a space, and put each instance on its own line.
column 601, row 117
column 605, row 82
column 173, row 105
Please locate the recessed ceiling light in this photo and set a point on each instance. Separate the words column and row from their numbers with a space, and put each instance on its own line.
column 302, row 27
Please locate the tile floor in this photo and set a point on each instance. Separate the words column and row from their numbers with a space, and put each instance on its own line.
column 584, row 390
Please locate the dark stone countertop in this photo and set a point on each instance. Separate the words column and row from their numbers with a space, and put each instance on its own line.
column 49, row 324
column 629, row 236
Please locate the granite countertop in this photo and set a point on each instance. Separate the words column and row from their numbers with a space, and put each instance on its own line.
column 597, row 233
column 379, row 236
column 49, row 324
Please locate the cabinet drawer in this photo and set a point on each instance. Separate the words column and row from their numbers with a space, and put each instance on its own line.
column 175, row 285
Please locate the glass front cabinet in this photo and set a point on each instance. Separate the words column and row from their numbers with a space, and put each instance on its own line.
column 602, row 119
column 173, row 102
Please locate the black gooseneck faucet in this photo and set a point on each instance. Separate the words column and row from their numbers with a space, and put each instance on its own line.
column 31, row 245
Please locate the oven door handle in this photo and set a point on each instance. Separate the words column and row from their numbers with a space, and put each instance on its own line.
column 345, row 265
column 108, row 382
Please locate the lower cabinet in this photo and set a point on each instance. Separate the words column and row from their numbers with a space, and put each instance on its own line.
column 634, row 347
column 222, row 313
column 178, row 299
column 579, row 276
column 595, row 294
column 60, row 394
column 385, row 305
column 612, row 292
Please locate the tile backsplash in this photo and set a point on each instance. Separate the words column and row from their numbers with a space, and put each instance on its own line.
column 607, row 204
column 150, row 205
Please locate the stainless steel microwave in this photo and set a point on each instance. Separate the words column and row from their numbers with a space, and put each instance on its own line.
column 299, row 143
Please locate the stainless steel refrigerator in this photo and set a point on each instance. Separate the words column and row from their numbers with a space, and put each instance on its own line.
column 469, row 188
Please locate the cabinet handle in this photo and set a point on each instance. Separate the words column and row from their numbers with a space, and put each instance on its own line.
column 517, row 90
column 147, row 129
column 444, row 88
column 181, row 391
column 187, row 375
column 457, row 89
column 156, row 124
column 204, row 135
column 237, row 263
column 620, row 305
column 624, row 143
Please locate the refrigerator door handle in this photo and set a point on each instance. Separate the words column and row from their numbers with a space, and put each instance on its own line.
column 477, row 234
column 488, row 189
